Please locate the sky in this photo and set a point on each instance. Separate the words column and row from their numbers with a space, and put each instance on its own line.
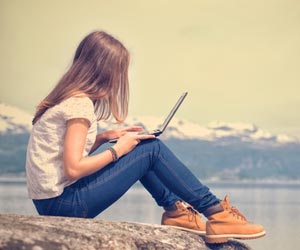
column 238, row 59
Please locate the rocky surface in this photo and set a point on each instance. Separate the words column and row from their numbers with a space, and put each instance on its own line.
column 61, row 233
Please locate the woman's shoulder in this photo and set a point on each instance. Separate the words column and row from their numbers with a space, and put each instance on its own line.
column 77, row 106
column 76, row 102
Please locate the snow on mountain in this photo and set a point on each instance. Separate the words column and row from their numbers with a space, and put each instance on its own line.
column 214, row 131
column 243, row 131
column 248, row 132
column 14, row 120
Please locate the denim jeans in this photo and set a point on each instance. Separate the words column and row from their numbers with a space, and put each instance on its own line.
column 152, row 163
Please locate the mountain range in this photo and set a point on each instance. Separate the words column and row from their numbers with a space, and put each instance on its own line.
column 219, row 150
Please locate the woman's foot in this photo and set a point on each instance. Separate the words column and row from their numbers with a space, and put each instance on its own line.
column 184, row 217
column 230, row 223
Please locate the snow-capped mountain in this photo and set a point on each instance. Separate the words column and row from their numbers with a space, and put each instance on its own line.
column 218, row 150
column 14, row 120
column 214, row 131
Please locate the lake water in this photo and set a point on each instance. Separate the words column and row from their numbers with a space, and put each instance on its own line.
column 275, row 206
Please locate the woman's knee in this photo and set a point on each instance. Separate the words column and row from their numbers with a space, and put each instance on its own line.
column 152, row 145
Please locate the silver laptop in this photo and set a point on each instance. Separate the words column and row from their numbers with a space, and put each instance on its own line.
column 159, row 131
column 162, row 128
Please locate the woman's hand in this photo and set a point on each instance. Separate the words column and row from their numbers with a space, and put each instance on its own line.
column 113, row 135
column 117, row 133
column 128, row 142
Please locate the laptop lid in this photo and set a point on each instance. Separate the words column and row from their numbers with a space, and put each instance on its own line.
column 172, row 113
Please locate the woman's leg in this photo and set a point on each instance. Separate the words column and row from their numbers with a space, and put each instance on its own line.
column 92, row 194
column 171, row 174
column 161, row 194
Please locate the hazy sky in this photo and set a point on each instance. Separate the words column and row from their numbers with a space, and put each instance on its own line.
column 239, row 60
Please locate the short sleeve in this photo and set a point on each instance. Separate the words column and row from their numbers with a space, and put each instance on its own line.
column 78, row 107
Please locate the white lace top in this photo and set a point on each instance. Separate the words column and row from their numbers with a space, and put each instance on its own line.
column 44, row 159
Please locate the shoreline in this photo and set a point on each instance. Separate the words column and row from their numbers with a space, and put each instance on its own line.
column 20, row 178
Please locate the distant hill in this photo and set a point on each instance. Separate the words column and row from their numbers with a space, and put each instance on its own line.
column 15, row 127
column 217, row 151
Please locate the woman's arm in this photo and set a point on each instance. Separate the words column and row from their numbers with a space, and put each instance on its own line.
column 76, row 166
column 100, row 139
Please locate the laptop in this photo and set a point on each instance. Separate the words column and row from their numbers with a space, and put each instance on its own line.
column 162, row 128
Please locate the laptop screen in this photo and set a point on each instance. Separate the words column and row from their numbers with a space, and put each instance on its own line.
column 173, row 111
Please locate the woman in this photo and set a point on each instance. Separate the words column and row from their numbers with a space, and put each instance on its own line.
column 64, row 179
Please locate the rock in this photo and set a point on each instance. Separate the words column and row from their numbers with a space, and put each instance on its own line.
column 61, row 233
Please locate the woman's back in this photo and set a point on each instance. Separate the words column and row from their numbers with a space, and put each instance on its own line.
column 44, row 160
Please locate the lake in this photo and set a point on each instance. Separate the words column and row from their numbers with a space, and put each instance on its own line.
column 274, row 205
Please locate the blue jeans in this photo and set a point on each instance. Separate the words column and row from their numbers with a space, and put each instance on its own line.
column 152, row 163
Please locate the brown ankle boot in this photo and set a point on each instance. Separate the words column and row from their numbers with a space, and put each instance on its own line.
column 184, row 217
column 230, row 223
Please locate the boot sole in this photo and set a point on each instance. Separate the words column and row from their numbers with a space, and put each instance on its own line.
column 222, row 238
column 202, row 233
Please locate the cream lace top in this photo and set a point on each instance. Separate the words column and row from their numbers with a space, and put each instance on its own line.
column 44, row 159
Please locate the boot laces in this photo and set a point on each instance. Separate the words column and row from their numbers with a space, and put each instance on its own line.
column 236, row 213
column 232, row 210
column 192, row 214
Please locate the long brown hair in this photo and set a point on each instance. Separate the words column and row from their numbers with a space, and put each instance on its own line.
column 100, row 71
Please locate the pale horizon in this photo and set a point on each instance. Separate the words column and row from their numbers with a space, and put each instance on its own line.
column 239, row 61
